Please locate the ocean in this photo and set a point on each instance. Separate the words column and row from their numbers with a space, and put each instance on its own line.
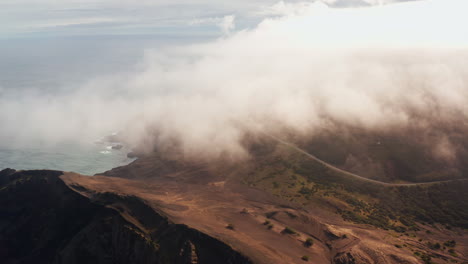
column 88, row 160
column 53, row 66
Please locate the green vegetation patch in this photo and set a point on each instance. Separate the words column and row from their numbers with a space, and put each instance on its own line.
column 292, row 176
column 309, row 242
column 289, row 231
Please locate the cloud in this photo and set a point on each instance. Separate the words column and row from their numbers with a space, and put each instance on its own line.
column 298, row 71
column 72, row 22
column 226, row 23
column 286, row 8
column 135, row 17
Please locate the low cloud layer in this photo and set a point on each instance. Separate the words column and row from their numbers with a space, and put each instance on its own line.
column 370, row 67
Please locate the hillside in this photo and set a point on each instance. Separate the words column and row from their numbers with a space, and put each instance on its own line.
column 280, row 205
column 45, row 221
column 426, row 150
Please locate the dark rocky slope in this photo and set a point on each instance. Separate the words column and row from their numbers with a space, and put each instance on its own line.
column 42, row 220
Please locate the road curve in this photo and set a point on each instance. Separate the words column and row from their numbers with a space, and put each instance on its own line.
column 332, row 167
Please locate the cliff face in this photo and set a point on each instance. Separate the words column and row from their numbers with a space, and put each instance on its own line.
column 44, row 221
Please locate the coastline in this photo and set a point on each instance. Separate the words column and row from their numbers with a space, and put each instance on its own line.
column 88, row 160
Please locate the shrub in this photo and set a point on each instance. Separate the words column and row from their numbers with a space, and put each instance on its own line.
column 288, row 230
column 305, row 258
column 270, row 226
column 452, row 252
column 275, row 185
column 433, row 246
column 309, row 242
column 230, row 227
column 450, row 243
column 266, row 222
column 400, row 229
column 427, row 259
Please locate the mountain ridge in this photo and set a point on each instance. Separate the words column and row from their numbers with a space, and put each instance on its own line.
column 278, row 206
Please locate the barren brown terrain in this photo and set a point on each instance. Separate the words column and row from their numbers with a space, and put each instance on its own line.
column 211, row 196
column 235, row 204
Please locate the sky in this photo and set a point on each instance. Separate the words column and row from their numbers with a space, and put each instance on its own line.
column 42, row 18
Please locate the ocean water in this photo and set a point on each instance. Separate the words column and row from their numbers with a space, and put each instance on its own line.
column 51, row 66
column 85, row 159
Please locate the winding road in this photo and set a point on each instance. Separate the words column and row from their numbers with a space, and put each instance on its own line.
column 347, row 173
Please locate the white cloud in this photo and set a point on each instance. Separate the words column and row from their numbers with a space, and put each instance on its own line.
column 288, row 9
column 378, row 2
column 364, row 67
column 227, row 24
